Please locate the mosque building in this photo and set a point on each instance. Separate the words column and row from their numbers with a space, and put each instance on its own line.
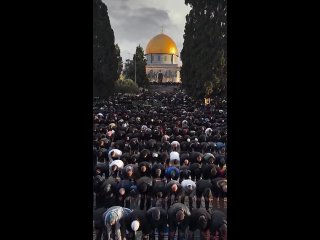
column 162, row 60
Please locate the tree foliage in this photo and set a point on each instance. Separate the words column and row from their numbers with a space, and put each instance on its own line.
column 140, row 65
column 128, row 71
column 119, row 61
column 105, row 64
column 204, row 50
column 126, row 86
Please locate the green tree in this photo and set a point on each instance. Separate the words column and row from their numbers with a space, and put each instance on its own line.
column 119, row 61
column 126, row 86
column 220, row 74
column 204, row 48
column 128, row 71
column 138, row 67
column 104, row 52
column 141, row 61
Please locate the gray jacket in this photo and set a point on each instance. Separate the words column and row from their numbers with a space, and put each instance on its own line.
column 119, row 212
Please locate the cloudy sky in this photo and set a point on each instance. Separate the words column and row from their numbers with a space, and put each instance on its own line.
column 135, row 22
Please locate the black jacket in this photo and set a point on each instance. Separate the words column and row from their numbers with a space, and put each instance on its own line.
column 203, row 184
column 169, row 190
column 207, row 172
column 147, row 173
column 157, row 223
column 155, row 167
column 139, row 215
column 218, row 218
column 135, row 175
column 196, row 171
column 142, row 181
column 172, row 211
column 194, row 219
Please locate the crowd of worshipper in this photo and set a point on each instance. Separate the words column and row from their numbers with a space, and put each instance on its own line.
column 157, row 157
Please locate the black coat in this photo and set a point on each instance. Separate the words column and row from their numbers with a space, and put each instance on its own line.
column 145, row 180
column 169, row 190
column 216, row 187
column 203, row 184
column 155, row 167
column 139, row 215
column 147, row 173
column 159, row 223
column 207, row 172
column 135, row 175
column 194, row 218
column 218, row 218
column 159, row 185
column 196, row 171
column 97, row 217
column 172, row 211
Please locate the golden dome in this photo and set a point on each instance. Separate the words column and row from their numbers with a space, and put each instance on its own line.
column 162, row 44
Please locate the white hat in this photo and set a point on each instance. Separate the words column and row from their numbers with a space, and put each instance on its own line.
column 175, row 143
column 208, row 131
column 174, row 155
column 119, row 163
column 144, row 128
column 135, row 225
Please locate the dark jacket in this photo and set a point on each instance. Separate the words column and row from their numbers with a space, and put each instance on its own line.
column 135, row 175
column 203, row 184
column 159, row 185
column 104, row 169
column 157, row 223
column 139, row 215
column 194, row 219
column 218, row 218
column 147, row 165
column 169, row 190
column 144, row 181
column 172, row 211
column 154, row 169
column 216, row 187
column 196, row 171
column 209, row 171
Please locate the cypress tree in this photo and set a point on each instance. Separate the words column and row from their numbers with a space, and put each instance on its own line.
column 204, row 49
column 104, row 52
